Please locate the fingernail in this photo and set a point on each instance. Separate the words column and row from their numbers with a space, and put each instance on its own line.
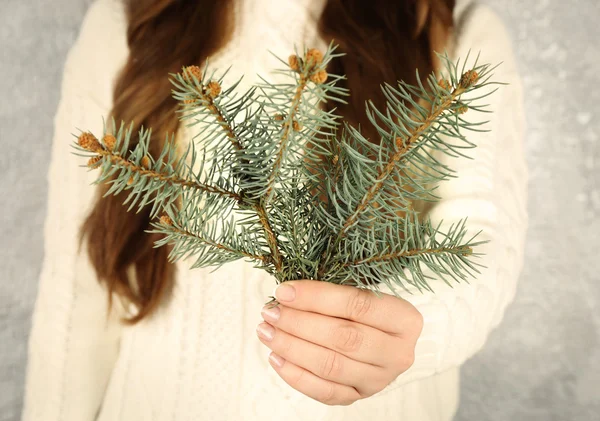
column 265, row 331
column 285, row 292
column 271, row 314
column 276, row 359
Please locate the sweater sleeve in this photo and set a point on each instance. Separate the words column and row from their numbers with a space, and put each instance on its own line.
column 73, row 343
column 491, row 190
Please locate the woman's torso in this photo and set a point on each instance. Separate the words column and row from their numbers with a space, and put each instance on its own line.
column 198, row 357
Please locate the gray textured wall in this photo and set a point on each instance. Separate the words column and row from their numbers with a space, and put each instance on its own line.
column 543, row 363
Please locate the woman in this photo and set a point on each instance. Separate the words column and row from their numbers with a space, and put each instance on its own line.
column 188, row 350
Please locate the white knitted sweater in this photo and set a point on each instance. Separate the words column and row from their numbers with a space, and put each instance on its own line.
column 199, row 358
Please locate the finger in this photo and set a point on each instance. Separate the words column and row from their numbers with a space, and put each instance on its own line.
column 324, row 391
column 325, row 363
column 354, row 340
column 388, row 313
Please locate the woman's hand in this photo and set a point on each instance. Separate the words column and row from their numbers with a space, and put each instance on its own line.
column 336, row 343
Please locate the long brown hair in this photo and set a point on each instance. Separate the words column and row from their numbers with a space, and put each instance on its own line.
column 383, row 40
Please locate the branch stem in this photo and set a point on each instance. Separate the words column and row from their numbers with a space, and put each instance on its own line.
column 271, row 238
column 263, row 258
column 209, row 103
column 173, row 179
column 409, row 253
column 288, row 127
column 259, row 208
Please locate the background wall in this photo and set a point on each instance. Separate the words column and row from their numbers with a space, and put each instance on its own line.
column 542, row 363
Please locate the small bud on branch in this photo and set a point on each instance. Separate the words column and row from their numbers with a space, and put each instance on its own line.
column 110, row 142
column 190, row 72
column 319, row 77
column 89, row 142
column 468, row 79
column 294, row 62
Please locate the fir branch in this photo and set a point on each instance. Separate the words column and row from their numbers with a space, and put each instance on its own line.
column 288, row 127
column 167, row 227
column 316, row 202
column 404, row 145
column 159, row 181
column 418, row 126
column 207, row 100
column 121, row 162
column 195, row 92
column 463, row 250
column 216, row 111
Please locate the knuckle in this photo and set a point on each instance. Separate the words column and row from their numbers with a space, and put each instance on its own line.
column 327, row 396
column 418, row 320
column 377, row 382
column 347, row 402
column 347, row 338
column 359, row 305
column 295, row 380
column 367, row 392
column 405, row 360
column 383, row 384
column 331, row 365
column 389, row 382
